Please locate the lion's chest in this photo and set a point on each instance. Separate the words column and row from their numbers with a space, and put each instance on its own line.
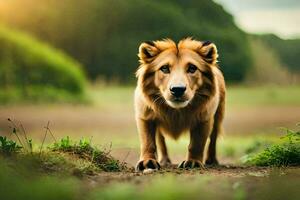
column 175, row 124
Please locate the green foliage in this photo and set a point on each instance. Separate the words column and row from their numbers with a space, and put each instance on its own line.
column 40, row 94
column 64, row 164
column 8, row 147
column 286, row 50
column 104, row 35
column 256, row 146
column 266, row 61
column 285, row 154
column 83, row 149
column 31, row 70
column 62, row 156
column 64, row 144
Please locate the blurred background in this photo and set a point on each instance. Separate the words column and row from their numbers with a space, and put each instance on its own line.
column 72, row 62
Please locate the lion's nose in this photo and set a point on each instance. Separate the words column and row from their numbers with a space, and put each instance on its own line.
column 177, row 91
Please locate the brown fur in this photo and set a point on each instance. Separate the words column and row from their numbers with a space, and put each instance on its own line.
column 201, row 112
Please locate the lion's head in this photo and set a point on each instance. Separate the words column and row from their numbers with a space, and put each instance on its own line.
column 173, row 74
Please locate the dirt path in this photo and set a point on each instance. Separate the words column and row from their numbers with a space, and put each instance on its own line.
column 222, row 179
column 229, row 171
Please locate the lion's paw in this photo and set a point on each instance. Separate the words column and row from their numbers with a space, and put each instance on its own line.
column 212, row 162
column 147, row 164
column 190, row 164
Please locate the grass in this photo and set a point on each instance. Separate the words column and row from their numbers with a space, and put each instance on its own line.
column 25, row 184
column 8, row 147
column 263, row 96
column 40, row 95
column 118, row 97
column 63, row 156
column 83, row 149
column 75, row 159
column 286, row 153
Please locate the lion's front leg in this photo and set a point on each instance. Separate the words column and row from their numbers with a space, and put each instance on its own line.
column 198, row 138
column 147, row 130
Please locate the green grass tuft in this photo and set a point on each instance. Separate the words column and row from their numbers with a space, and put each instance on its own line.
column 63, row 157
column 8, row 146
column 84, row 150
column 286, row 153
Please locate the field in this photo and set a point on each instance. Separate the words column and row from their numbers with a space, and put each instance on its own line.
column 254, row 118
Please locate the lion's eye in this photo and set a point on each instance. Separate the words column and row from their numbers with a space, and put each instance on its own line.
column 165, row 69
column 191, row 68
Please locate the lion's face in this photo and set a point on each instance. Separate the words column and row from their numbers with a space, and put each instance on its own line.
column 178, row 71
column 178, row 76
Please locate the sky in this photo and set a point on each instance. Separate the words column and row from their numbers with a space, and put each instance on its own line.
column 281, row 17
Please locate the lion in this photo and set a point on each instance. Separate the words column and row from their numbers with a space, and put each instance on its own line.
column 180, row 89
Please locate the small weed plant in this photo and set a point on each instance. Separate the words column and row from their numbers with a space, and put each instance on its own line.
column 287, row 153
column 8, row 146
column 80, row 157
column 84, row 149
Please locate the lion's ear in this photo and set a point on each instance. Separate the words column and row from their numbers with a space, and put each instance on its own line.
column 147, row 52
column 209, row 52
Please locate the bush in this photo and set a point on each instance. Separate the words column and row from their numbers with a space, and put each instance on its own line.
column 284, row 154
column 31, row 70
